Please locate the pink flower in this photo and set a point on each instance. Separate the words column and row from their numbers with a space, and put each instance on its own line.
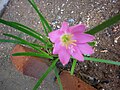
column 71, row 41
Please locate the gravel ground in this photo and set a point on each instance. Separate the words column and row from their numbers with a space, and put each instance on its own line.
column 89, row 12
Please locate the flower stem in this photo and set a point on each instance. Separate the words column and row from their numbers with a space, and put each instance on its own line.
column 73, row 66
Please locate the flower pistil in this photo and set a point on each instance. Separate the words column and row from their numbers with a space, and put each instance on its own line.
column 67, row 40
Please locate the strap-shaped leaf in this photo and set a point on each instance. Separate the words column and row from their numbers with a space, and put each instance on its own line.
column 37, row 45
column 58, row 78
column 73, row 66
column 18, row 42
column 104, row 25
column 26, row 31
column 10, row 41
column 45, row 74
column 22, row 41
column 45, row 30
column 102, row 61
column 27, row 43
column 41, row 16
column 28, row 28
column 15, row 37
column 32, row 54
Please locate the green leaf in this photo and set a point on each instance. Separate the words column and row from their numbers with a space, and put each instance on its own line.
column 104, row 25
column 27, row 43
column 73, row 66
column 32, row 54
column 40, row 15
column 37, row 45
column 58, row 78
column 92, row 43
column 102, row 61
column 22, row 41
column 18, row 42
column 28, row 28
column 10, row 41
column 45, row 30
column 44, row 22
column 45, row 74
column 15, row 37
column 26, row 31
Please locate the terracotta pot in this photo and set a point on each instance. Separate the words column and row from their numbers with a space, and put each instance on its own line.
column 70, row 82
column 28, row 65
column 35, row 67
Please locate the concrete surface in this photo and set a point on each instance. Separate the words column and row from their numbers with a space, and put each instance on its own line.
column 3, row 4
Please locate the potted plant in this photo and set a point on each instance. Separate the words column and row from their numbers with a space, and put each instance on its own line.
column 62, row 44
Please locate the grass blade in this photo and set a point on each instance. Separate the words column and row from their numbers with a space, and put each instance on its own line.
column 10, row 41
column 15, row 37
column 32, row 54
column 21, row 25
column 40, row 15
column 45, row 30
column 27, row 43
column 73, row 66
column 37, row 45
column 22, row 41
column 45, row 75
column 18, row 42
column 104, row 25
column 102, row 61
column 22, row 30
column 58, row 78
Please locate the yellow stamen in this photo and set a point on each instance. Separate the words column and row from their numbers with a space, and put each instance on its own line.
column 67, row 40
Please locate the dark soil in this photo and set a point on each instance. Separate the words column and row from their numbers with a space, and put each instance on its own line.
column 91, row 12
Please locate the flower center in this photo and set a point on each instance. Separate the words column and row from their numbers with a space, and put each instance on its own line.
column 67, row 40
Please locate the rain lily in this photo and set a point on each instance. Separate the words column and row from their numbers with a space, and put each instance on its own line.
column 71, row 41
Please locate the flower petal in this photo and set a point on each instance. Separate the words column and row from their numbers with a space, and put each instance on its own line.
column 64, row 56
column 77, row 54
column 83, row 38
column 80, row 28
column 85, row 48
column 54, row 35
column 56, row 48
column 65, row 27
